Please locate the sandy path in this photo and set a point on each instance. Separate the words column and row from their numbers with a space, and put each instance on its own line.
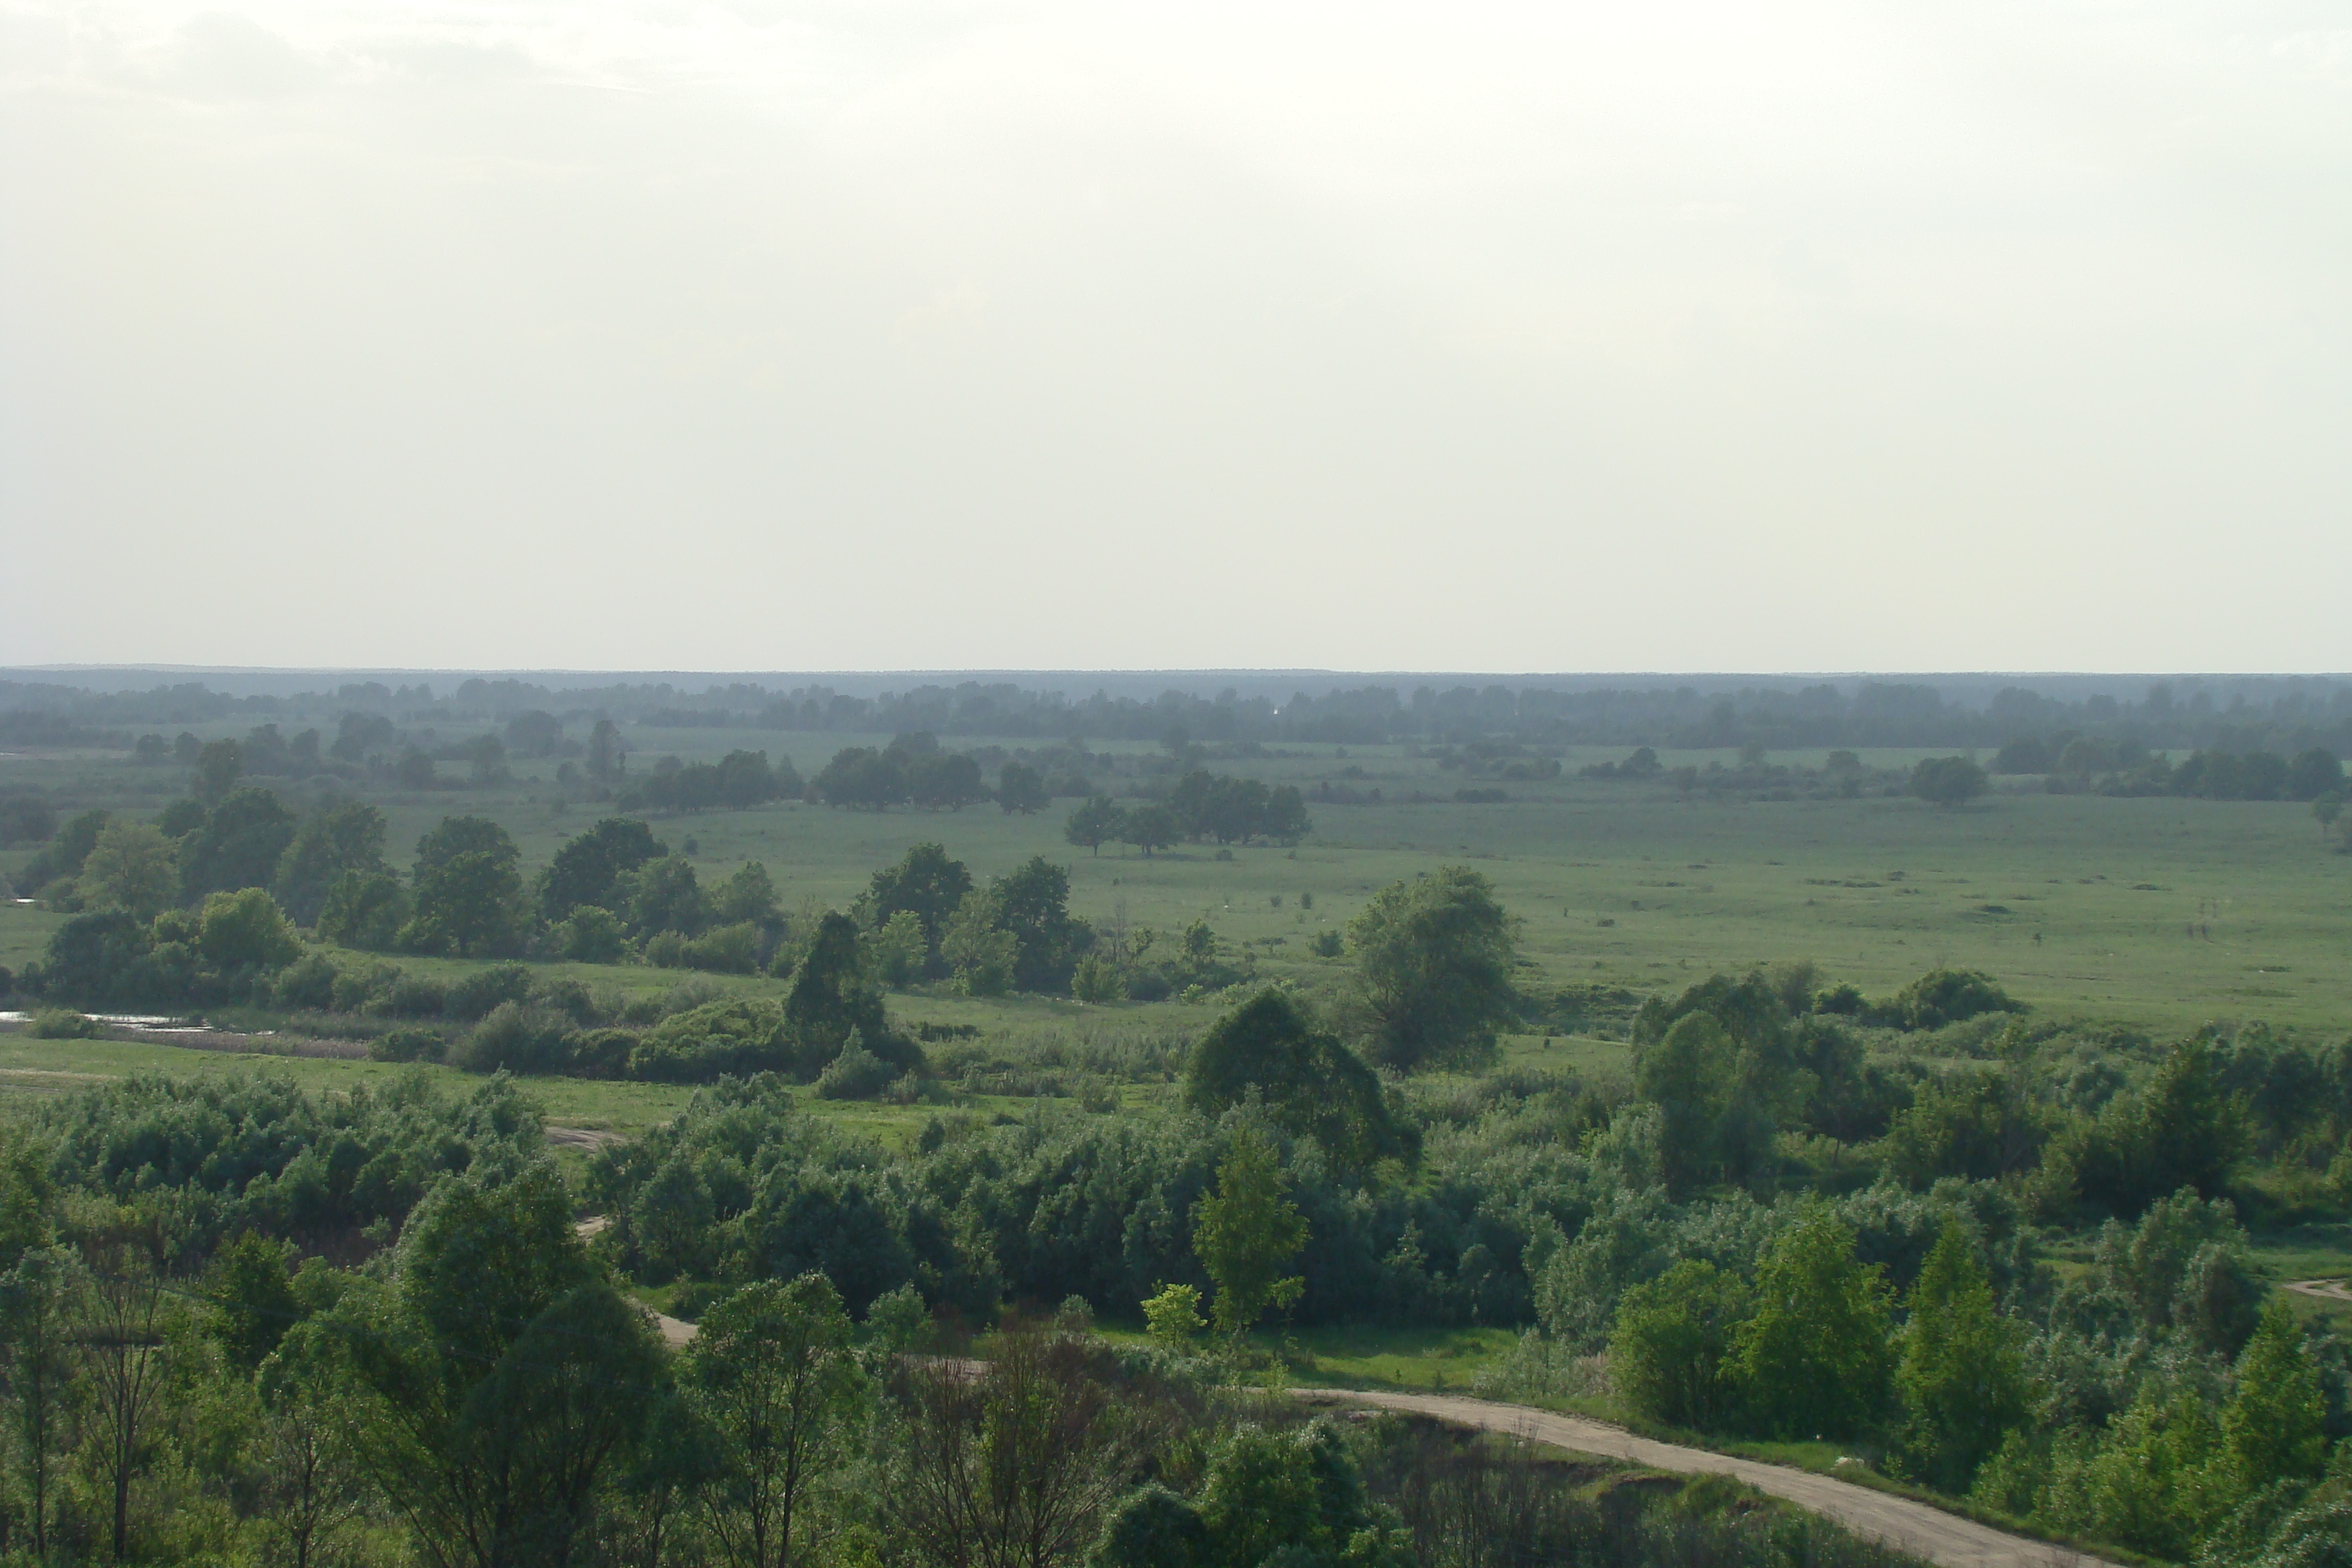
column 1897, row 1521
column 2325, row 1290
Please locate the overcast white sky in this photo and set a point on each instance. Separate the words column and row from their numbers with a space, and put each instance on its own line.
column 821, row 333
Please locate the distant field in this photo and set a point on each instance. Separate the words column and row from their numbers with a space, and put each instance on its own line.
column 2160, row 913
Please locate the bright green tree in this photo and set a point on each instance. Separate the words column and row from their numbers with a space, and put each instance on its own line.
column 1667, row 1347
column 1247, row 1233
column 2271, row 1428
column 773, row 1372
column 131, row 867
column 1817, row 1358
column 1960, row 1378
column 980, row 952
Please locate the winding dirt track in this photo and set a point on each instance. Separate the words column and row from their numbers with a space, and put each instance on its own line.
column 1916, row 1527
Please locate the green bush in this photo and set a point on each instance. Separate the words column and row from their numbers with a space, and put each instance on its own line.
column 856, row 1074
column 407, row 1045
column 64, row 1024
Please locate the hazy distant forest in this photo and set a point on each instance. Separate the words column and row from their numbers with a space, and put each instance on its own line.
column 529, row 1123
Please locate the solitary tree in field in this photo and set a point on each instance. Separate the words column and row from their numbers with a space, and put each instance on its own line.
column 1436, row 953
column 1148, row 827
column 1093, row 823
column 1022, row 788
column 1247, row 1233
column 1947, row 782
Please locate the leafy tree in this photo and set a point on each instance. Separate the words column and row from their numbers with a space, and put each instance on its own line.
column 1671, row 1339
column 1313, row 1085
column 1015, row 1469
column 2312, row 774
column 1022, row 788
column 1435, row 954
column 830, row 999
column 534, row 734
column 663, row 895
column 607, row 754
column 863, row 778
column 307, row 1449
column 981, row 952
column 1715, row 1113
column 587, row 869
column 218, row 767
column 2273, row 1428
column 1960, row 1376
column 928, row 882
column 895, row 950
column 457, row 835
column 1172, row 1317
column 122, row 1347
column 38, row 1337
column 245, row 932
column 943, row 781
column 747, row 897
column 364, row 910
column 466, row 905
column 329, row 845
column 506, row 1377
column 1246, row 1234
column 1095, row 822
column 131, row 867
column 1947, row 782
column 1150, row 826
column 1815, row 1359
column 1033, row 905
column 240, row 845
column 773, row 1372
column 1294, row 1498
column 415, row 770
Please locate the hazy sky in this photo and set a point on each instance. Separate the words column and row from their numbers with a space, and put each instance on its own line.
column 789, row 334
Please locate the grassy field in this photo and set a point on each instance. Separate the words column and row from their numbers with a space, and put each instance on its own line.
column 2160, row 913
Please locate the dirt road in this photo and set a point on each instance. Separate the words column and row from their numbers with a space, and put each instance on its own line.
column 1914, row 1527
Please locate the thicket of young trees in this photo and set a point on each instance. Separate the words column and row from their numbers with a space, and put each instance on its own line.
column 1201, row 805
column 240, row 1326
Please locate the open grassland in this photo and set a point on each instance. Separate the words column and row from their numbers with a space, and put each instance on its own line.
column 2160, row 913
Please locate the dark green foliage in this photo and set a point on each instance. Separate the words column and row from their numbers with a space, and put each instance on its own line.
column 1033, row 904
column 1154, row 1527
column 1816, row 1360
column 1960, row 1377
column 337, row 841
column 662, row 895
column 364, row 911
column 1292, row 1498
column 1947, row 782
column 1715, row 1102
column 510, row 1378
column 1022, row 788
column 1435, row 954
column 240, row 844
column 457, row 836
column 861, row 777
column 408, row 1046
column 1313, row 1085
column 736, row 782
column 1944, row 996
column 928, row 884
column 830, row 998
column 476, row 995
column 519, row 1039
column 259, row 1154
column 738, row 1035
column 2185, row 1129
column 586, row 869
column 1976, row 1125
column 1231, row 809
column 26, row 817
column 855, row 1073
column 1672, row 1337
column 469, row 891
column 251, row 1289
column 1096, row 822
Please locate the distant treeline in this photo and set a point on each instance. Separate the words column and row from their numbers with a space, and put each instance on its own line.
column 2281, row 715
